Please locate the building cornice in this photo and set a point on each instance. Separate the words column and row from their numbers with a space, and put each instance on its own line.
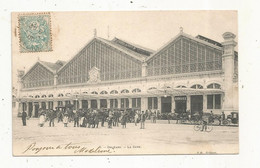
column 134, row 80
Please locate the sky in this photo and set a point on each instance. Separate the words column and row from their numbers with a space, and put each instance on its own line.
column 71, row 31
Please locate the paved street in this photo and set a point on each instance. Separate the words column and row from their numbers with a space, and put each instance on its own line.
column 159, row 138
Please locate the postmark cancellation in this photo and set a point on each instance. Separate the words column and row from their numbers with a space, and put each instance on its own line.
column 35, row 32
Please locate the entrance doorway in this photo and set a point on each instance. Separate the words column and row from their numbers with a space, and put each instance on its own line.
column 94, row 104
column 196, row 104
column 103, row 103
column 36, row 109
column 180, row 104
column 84, row 104
column 43, row 105
column 166, row 104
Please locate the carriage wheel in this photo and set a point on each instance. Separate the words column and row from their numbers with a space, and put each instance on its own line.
column 209, row 128
column 226, row 122
column 197, row 127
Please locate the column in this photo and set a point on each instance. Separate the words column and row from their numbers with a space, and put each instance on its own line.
column 119, row 103
column 159, row 104
column 27, row 107
column 173, row 104
column 130, row 102
column 55, row 79
column 98, row 103
column 55, row 104
column 108, row 103
column 20, row 108
column 144, row 69
column 144, row 103
column 80, row 104
column 204, row 103
column 89, row 103
column 40, row 105
column 228, row 61
column 188, row 102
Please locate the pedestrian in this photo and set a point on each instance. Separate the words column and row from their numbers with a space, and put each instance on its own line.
column 136, row 118
column 142, row 118
column 24, row 116
column 42, row 119
column 223, row 117
column 123, row 120
column 66, row 119
column 205, row 121
column 96, row 119
column 169, row 117
column 110, row 120
column 76, row 118
column 51, row 118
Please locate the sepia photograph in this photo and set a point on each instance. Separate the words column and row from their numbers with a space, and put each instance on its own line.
column 125, row 83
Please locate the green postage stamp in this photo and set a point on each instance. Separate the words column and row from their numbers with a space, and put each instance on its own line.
column 35, row 32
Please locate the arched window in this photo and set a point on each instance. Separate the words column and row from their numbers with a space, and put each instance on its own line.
column 68, row 94
column 125, row 91
column 104, row 92
column 197, row 86
column 214, row 86
column 136, row 90
column 152, row 88
column 44, row 96
column 94, row 92
column 114, row 92
column 37, row 96
column 50, row 95
column 60, row 95
column 85, row 92
column 181, row 86
column 30, row 96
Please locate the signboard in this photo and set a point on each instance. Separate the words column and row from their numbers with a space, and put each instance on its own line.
column 180, row 98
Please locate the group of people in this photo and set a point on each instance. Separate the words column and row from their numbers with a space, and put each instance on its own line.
column 90, row 118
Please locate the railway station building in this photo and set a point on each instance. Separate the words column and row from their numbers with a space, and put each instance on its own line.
column 187, row 73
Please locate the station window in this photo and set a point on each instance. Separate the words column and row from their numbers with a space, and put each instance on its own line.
column 113, row 103
column 214, row 101
column 124, row 103
column 103, row 103
column 136, row 102
column 152, row 103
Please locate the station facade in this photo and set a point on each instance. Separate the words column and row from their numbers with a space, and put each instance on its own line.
column 187, row 73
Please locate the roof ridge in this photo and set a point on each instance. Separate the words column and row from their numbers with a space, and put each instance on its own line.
column 113, row 45
column 135, row 45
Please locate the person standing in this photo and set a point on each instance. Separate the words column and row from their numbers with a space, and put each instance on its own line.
column 123, row 120
column 41, row 119
column 51, row 118
column 66, row 119
column 76, row 118
column 223, row 117
column 24, row 115
column 142, row 117
column 136, row 118
column 110, row 119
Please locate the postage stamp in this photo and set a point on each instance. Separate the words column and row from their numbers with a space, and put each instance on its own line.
column 35, row 32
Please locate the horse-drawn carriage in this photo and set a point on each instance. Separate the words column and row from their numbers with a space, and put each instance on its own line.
column 232, row 119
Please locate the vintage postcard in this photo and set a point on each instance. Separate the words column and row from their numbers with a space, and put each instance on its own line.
column 125, row 83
